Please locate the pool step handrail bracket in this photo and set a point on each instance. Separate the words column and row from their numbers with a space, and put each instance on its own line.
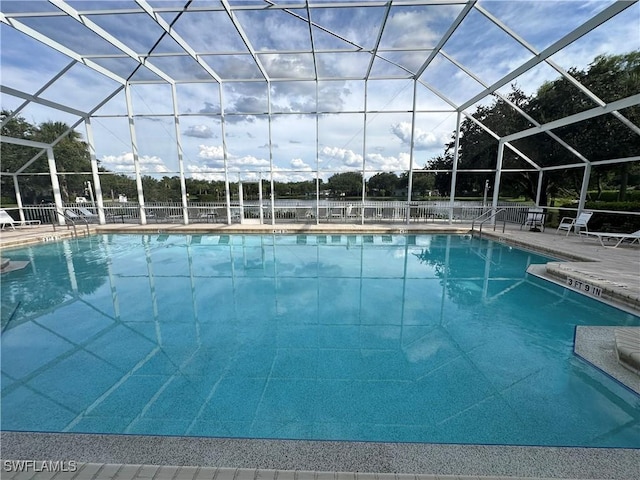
column 71, row 221
column 485, row 217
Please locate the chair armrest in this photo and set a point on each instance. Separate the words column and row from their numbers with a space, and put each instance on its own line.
column 572, row 220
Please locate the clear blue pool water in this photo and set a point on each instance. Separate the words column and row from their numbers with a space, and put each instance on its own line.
column 427, row 338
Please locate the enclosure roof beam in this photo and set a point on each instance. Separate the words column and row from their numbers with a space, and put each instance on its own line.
column 179, row 40
column 15, row 112
column 245, row 39
column 616, row 160
column 578, row 117
column 95, row 28
column 507, row 144
column 41, row 101
column 583, row 29
column 515, row 107
column 23, row 141
column 570, row 78
column 21, row 27
column 445, row 38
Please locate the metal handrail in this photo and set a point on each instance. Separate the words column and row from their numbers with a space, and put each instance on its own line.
column 473, row 222
column 73, row 223
column 490, row 217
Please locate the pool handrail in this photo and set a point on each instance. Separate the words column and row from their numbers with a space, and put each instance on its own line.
column 70, row 219
column 492, row 216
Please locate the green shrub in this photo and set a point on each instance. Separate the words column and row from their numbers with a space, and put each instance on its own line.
column 612, row 196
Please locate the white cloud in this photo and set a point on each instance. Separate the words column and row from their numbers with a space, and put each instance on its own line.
column 124, row 163
column 422, row 139
column 215, row 152
column 299, row 164
column 199, row 131
column 348, row 157
column 246, row 162
column 213, row 156
column 375, row 161
column 408, row 29
column 205, row 173
column 288, row 66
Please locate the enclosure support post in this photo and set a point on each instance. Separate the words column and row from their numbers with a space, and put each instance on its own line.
column 411, row 147
column 55, row 185
column 496, row 183
column 183, row 184
column 539, row 191
column 224, row 157
column 94, row 171
column 364, row 150
column 241, row 199
column 134, row 151
column 584, row 189
column 260, row 213
column 16, row 187
column 318, row 158
column 454, row 172
column 272, row 196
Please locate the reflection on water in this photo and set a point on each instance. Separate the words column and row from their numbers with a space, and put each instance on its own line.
column 346, row 337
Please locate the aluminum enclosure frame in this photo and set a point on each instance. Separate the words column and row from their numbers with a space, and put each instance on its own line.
column 19, row 20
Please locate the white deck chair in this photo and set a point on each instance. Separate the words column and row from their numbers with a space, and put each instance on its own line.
column 74, row 216
column 619, row 237
column 87, row 214
column 6, row 219
column 568, row 223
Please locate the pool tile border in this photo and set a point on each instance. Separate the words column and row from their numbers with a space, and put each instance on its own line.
column 329, row 456
column 596, row 345
column 97, row 471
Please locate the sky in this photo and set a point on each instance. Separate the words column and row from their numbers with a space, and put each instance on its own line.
column 296, row 141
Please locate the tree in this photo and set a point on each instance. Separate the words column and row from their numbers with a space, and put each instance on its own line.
column 383, row 184
column 71, row 154
column 15, row 157
column 346, row 184
column 610, row 77
column 442, row 180
column 601, row 138
column 423, row 183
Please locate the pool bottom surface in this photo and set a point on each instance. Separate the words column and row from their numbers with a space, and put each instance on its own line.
column 428, row 339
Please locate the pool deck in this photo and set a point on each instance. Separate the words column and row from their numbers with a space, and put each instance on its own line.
column 616, row 271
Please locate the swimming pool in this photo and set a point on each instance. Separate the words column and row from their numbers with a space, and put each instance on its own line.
column 390, row 338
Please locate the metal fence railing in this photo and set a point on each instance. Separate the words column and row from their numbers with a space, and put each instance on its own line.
column 283, row 211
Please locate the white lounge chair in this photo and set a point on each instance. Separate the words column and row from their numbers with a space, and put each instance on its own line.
column 6, row 219
column 617, row 237
column 87, row 214
column 576, row 224
column 75, row 216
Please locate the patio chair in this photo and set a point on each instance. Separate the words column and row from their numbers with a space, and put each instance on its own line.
column 618, row 237
column 6, row 219
column 576, row 224
column 351, row 212
column 77, row 216
column 535, row 219
column 87, row 214
column 304, row 214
